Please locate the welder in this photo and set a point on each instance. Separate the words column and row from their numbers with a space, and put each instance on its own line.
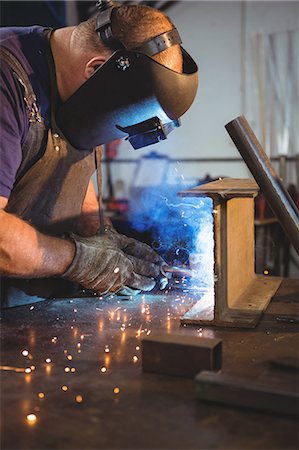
column 65, row 92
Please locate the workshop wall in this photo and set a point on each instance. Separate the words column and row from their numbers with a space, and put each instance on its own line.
column 218, row 35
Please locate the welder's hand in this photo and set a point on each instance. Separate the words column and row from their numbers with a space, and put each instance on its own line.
column 138, row 250
column 101, row 265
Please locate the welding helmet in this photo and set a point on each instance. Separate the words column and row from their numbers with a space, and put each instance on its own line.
column 131, row 95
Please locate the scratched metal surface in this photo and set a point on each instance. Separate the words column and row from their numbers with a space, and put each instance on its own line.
column 92, row 346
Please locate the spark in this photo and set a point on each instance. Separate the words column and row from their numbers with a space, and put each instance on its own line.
column 139, row 331
column 67, row 369
column 69, row 357
column 41, row 395
column 31, row 308
column 135, row 359
column 54, row 339
column 27, row 370
column 107, row 350
column 32, row 367
column 48, row 360
column 31, row 418
column 266, row 272
column 103, row 369
column 116, row 390
column 137, row 348
column 116, row 270
column 73, row 369
column 79, row 398
column 25, row 353
column 64, row 388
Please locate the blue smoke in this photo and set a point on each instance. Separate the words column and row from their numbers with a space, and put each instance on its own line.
column 181, row 228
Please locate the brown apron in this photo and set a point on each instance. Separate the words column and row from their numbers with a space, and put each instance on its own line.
column 50, row 184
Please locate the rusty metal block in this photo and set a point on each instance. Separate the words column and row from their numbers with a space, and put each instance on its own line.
column 180, row 355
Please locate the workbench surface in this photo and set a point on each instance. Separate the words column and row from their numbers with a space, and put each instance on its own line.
column 80, row 338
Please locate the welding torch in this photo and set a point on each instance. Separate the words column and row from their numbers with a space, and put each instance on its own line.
column 180, row 271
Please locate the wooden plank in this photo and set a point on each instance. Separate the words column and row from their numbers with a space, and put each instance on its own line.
column 224, row 188
column 179, row 354
column 242, row 392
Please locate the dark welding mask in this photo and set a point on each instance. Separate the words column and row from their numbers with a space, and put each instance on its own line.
column 131, row 95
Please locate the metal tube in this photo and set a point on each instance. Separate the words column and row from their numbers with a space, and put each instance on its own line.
column 262, row 170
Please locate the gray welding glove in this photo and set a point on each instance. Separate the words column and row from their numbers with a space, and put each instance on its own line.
column 101, row 265
column 138, row 250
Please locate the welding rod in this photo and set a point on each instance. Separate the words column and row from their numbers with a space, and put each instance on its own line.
column 181, row 271
column 262, row 170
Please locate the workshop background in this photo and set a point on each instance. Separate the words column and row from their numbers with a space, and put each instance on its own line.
column 248, row 57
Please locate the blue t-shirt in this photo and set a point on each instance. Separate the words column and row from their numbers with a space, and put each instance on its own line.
column 28, row 44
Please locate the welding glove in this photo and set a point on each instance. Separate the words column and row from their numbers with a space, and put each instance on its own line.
column 101, row 265
column 138, row 250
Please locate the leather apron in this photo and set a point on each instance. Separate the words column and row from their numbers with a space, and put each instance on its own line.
column 50, row 186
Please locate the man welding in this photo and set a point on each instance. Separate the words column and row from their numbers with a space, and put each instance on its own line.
column 65, row 92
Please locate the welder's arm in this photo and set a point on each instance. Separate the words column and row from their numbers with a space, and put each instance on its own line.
column 93, row 262
column 26, row 253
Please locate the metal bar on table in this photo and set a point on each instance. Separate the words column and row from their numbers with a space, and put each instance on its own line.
column 179, row 354
column 245, row 393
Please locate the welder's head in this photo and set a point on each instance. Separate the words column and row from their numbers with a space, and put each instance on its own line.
column 146, row 83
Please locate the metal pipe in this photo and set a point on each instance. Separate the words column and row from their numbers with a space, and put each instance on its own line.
column 262, row 170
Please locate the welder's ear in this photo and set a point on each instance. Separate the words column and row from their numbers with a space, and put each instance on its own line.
column 92, row 65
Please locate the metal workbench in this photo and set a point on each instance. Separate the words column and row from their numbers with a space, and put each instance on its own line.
column 92, row 346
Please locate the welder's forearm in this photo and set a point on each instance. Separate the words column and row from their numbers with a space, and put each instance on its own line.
column 24, row 252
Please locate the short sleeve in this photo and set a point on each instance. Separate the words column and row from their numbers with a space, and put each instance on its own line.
column 13, row 127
